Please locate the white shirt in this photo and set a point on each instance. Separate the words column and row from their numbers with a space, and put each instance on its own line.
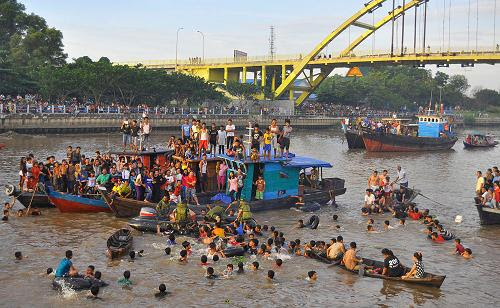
column 146, row 128
column 232, row 128
column 221, row 137
column 370, row 199
column 125, row 174
column 402, row 176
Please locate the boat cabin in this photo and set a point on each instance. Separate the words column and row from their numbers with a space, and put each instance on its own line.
column 194, row 164
column 281, row 175
column 148, row 158
column 432, row 126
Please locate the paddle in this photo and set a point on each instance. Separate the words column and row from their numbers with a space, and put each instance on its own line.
column 31, row 201
column 419, row 193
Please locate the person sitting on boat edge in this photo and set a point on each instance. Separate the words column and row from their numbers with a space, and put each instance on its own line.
column 163, row 207
column 214, row 213
column 417, row 270
column 350, row 260
column 65, row 267
column 392, row 266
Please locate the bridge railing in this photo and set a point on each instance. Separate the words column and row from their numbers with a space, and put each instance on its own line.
column 15, row 109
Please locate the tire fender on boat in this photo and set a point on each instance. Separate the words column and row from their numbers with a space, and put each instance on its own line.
column 313, row 222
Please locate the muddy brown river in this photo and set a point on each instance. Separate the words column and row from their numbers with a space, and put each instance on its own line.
column 446, row 177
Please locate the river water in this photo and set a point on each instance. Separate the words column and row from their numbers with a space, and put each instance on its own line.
column 446, row 177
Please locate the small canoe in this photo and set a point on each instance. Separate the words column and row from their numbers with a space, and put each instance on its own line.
column 321, row 257
column 37, row 200
column 485, row 145
column 124, row 207
column 429, row 280
column 119, row 243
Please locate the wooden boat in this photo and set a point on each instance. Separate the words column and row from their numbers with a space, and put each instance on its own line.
column 119, row 243
column 429, row 280
column 433, row 134
column 68, row 203
column 123, row 207
column 354, row 139
column 321, row 257
column 37, row 200
column 482, row 141
column 375, row 142
column 487, row 216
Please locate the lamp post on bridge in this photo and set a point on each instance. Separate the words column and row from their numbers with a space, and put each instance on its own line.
column 176, row 46
column 203, row 44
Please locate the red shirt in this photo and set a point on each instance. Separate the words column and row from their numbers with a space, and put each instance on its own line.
column 190, row 181
column 497, row 194
column 459, row 248
column 439, row 239
column 414, row 216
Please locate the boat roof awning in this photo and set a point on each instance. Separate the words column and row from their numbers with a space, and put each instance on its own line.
column 307, row 162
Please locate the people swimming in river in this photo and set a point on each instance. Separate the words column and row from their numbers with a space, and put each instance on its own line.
column 241, row 268
column 168, row 250
column 229, row 270
column 65, row 267
column 94, row 293
column 131, row 255
column 162, row 291
column 183, row 256
column 278, row 263
column 89, row 272
column 255, row 266
column 270, row 275
column 18, row 255
column 312, row 276
column 467, row 254
column 387, row 226
column 211, row 273
column 459, row 248
column 437, row 238
column 125, row 281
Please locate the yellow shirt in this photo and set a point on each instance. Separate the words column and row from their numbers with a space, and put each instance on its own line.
column 479, row 184
column 268, row 138
column 219, row 232
column 123, row 190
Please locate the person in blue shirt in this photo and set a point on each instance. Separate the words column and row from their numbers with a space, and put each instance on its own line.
column 239, row 227
column 185, row 130
column 65, row 267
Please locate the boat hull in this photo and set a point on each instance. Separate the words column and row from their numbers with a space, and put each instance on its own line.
column 397, row 143
column 67, row 203
column 354, row 139
column 475, row 146
column 488, row 216
column 38, row 200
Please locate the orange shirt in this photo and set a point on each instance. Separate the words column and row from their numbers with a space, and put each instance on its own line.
column 497, row 194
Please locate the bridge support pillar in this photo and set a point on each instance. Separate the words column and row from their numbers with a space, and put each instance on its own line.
column 255, row 77
column 244, row 75
column 226, row 75
column 273, row 81
column 263, row 76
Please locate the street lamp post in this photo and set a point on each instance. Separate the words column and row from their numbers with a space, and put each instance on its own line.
column 176, row 45
column 203, row 44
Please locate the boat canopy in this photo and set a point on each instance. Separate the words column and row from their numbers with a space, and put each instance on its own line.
column 141, row 153
column 307, row 162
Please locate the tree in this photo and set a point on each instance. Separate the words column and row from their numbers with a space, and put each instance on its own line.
column 486, row 97
column 242, row 90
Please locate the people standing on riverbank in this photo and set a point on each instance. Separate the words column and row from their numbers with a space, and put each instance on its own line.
column 146, row 131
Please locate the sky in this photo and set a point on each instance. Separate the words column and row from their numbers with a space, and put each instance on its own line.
column 146, row 30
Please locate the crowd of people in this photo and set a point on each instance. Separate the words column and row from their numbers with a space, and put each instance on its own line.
column 488, row 188
column 381, row 195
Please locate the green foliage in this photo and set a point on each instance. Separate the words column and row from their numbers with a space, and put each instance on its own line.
column 242, row 90
column 469, row 119
column 394, row 87
column 102, row 81
column 485, row 97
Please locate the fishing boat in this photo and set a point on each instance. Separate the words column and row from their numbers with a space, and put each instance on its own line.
column 68, row 203
column 119, row 243
column 354, row 138
column 487, row 216
column 433, row 134
column 36, row 199
column 473, row 141
column 429, row 280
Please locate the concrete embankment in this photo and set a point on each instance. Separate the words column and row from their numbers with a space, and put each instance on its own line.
column 67, row 124
column 62, row 124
